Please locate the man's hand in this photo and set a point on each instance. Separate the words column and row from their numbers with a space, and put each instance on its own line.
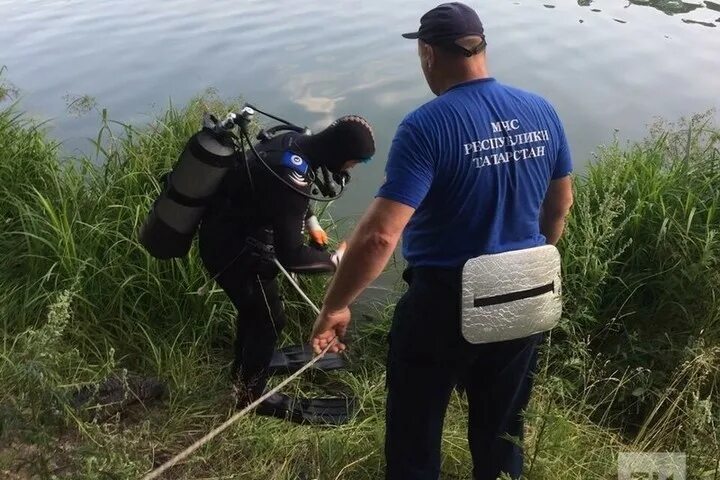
column 368, row 250
column 328, row 327
column 317, row 234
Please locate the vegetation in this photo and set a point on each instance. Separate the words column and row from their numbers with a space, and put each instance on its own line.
column 634, row 366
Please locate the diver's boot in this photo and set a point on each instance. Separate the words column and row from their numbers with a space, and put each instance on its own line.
column 246, row 392
column 290, row 359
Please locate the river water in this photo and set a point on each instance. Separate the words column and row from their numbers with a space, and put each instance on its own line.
column 606, row 65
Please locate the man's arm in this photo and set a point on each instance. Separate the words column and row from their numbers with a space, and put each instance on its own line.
column 555, row 207
column 369, row 249
column 291, row 250
column 289, row 213
column 408, row 176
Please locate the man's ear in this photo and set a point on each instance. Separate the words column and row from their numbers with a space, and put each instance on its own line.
column 428, row 56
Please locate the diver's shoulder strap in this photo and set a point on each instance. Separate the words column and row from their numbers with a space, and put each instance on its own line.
column 278, row 153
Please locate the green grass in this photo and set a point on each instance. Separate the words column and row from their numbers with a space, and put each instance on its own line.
column 635, row 364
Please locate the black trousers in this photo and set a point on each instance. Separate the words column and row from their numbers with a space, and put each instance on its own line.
column 428, row 358
column 250, row 282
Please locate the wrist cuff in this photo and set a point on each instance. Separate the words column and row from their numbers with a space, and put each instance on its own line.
column 312, row 223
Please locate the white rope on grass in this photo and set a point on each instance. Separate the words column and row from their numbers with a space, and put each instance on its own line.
column 191, row 449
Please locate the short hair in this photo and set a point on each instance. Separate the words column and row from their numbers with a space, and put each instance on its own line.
column 465, row 46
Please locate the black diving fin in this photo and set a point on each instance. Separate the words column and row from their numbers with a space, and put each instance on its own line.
column 315, row 411
column 290, row 359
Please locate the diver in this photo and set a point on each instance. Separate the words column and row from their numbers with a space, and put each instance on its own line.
column 260, row 213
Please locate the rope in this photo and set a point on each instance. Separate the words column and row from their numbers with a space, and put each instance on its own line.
column 297, row 287
column 212, row 434
column 189, row 450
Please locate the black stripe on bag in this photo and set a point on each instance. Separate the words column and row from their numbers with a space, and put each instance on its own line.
column 514, row 296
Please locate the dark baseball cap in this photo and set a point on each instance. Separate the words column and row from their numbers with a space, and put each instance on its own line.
column 448, row 22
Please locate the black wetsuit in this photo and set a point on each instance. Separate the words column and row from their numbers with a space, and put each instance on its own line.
column 255, row 218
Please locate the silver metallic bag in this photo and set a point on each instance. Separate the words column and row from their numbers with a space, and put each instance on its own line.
column 511, row 295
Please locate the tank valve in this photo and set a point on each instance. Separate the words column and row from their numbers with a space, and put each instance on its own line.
column 243, row 120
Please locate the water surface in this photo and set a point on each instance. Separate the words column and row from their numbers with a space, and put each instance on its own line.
column 607, row 65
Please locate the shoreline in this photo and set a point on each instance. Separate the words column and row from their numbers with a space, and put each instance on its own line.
column 633, row 366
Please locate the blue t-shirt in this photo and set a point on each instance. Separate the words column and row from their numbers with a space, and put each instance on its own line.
column 475, row 163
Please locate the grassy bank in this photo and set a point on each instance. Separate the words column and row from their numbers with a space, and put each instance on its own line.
column 635, row 365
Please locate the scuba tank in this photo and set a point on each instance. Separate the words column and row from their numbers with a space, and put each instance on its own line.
column 170, row 226
column 188, row 189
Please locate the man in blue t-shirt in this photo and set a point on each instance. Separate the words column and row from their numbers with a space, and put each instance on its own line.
column 483, row 168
